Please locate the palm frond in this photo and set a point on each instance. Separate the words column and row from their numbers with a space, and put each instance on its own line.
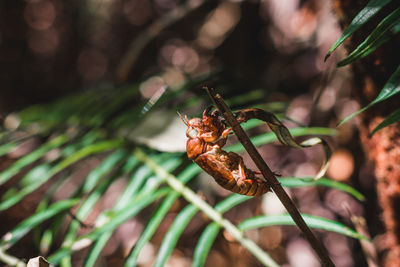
column 154, row 178
column 384, row 31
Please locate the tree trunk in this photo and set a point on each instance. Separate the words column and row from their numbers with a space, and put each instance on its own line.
column 383, row 149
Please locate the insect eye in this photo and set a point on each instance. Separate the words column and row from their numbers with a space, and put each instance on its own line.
column 192, row 133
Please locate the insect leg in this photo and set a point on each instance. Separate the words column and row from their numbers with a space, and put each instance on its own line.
column 249, row 187
column 224, row 136
column 226, row 132
column 242, row 174
column 206, row 111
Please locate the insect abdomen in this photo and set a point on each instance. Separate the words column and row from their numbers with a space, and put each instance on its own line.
column 223, row 175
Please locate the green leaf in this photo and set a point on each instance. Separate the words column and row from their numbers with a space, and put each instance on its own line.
column 230, row 202
column 7, row 147
column 159, row 215
column 385, row 25
column 151, row 227
column 312, row 221
column 87, row 151
column 204, row 244
column 144, row 176
column 391, row 88
column 173, row 234
column 209, row 211
column 114, row 220
column 126, row 198
column 209, row 234
column 396, row 29
column 85, row 141
column 295, row 182
column 49, row 235
column 381, row 40
column 85, row 209
column 117, row 218
column 392, row 118
column 31, row 157
column 29, row 188
column 251, row 124
column 60, row 254
column 97, row 248
column 44, row 236
column 34, row 175
column 25, row 226
column 102, row 169
column 370, row 10
column 249, row 96
column 84, row 152
column 9, row 193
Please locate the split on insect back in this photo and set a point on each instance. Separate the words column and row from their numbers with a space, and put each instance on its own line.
column 207, row 136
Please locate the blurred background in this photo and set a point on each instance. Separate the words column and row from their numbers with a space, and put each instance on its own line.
column 266, row 53
column 52, row 48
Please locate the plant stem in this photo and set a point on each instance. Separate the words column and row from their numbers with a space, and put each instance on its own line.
column 271, row 179
column 209, row 211
column 10, row 260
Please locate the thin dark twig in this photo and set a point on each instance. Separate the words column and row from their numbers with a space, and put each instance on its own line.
column 270, row 178
column 367, row 247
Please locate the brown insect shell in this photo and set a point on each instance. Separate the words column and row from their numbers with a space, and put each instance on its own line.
column 195, row 147
column 223, row 167
column 209, row 132
column 214, row 125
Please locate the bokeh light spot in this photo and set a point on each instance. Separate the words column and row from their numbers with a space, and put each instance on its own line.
column 220, row 22
column 151, row 86
column 185, row 58
column 40, row 15
column 328, row 99
column 341, row 165
column 303, row 23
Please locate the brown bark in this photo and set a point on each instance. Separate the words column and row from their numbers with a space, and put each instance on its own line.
column 383, row 149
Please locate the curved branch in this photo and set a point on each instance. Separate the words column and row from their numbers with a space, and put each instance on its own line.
column 270, row 177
